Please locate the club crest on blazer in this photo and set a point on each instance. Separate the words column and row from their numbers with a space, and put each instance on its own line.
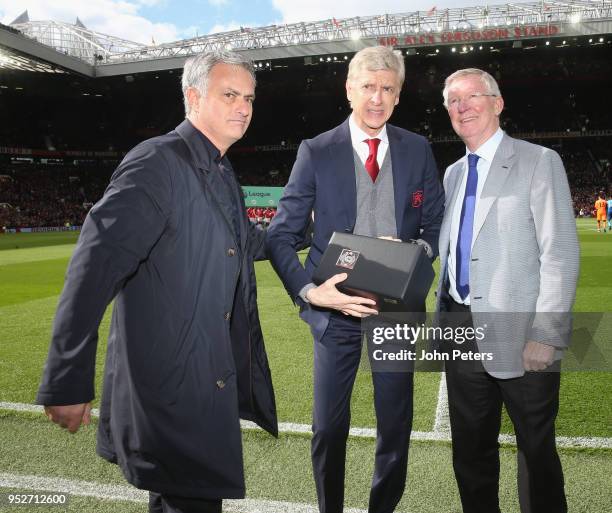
column 417, row 198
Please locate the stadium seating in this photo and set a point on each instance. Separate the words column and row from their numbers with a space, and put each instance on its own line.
column 556, row 96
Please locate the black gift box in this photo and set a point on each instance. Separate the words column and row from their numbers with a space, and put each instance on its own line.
column 397, row 275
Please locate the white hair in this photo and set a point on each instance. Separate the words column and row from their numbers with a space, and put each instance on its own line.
column 487, row 80
column 197, row 70
column 376, row 58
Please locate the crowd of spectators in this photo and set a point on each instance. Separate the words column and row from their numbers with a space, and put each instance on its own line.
column 33, row 195
column 589, row 170
column 41, row 196
column 547, row 89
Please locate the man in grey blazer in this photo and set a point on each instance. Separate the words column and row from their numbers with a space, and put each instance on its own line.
column 509, row 260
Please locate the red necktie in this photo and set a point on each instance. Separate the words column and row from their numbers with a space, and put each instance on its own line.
column 371, row 164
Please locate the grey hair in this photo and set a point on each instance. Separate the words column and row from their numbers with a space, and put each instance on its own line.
column 487, row 80
column 197, row 70
column 376, row 58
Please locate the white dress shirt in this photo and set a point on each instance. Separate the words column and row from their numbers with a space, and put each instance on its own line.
column 486, row 152
column 358, row 136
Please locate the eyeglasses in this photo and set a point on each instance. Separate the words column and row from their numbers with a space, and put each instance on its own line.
column 453, row 103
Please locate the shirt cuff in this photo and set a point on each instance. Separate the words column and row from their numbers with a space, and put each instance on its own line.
column 425, row 245
column 305, row 290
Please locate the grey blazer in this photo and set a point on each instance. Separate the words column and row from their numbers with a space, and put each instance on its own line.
column 525, row 255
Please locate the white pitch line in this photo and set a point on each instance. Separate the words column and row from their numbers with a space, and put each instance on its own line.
column 442, row 420
column 34, row 408
column 73, row 487
column 591, row 442
column 128, row 493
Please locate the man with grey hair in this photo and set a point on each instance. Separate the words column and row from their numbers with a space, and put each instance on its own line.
column 509, row 260
column 369, row 178
column 171, row 243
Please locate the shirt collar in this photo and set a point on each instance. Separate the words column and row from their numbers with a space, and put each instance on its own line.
column 358, row 135
column 487, row 150
column 213, row 151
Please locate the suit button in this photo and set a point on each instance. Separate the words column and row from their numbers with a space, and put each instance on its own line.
column 220, row 383
column 227, row 316
column 231, row 252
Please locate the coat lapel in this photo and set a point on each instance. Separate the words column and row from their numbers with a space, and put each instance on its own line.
column 498, row 174
column 202, row 160
column 218, row 203
column 243, row 220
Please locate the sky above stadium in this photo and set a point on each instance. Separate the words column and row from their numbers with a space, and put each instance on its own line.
column 161, row 21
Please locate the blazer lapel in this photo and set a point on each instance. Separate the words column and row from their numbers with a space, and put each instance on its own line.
column 498, row 174
column 342, row 165
column 453, row 183
column 455, row 180
column 400, row 165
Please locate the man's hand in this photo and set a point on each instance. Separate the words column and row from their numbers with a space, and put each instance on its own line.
column 537, row 356
column 70, row 417
column 327, row 295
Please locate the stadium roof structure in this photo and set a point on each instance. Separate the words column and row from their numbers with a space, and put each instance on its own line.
column 91, row 53
column 78, row 48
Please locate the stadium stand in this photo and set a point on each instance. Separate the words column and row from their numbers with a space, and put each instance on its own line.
column 555, row 95
column 43, row 196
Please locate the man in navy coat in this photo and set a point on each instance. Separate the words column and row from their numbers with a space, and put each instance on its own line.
column 171, row 243
column 369, row 178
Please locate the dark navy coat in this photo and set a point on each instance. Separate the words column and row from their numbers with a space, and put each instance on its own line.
column 175, row 382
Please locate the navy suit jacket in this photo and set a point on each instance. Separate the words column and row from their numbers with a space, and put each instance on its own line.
column 323, row 180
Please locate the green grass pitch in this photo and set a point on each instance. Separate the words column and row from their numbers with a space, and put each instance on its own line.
column 32, row 268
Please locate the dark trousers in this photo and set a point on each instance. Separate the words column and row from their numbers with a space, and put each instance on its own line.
column 336, row 360
column 170, row 504
column 475, row 401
